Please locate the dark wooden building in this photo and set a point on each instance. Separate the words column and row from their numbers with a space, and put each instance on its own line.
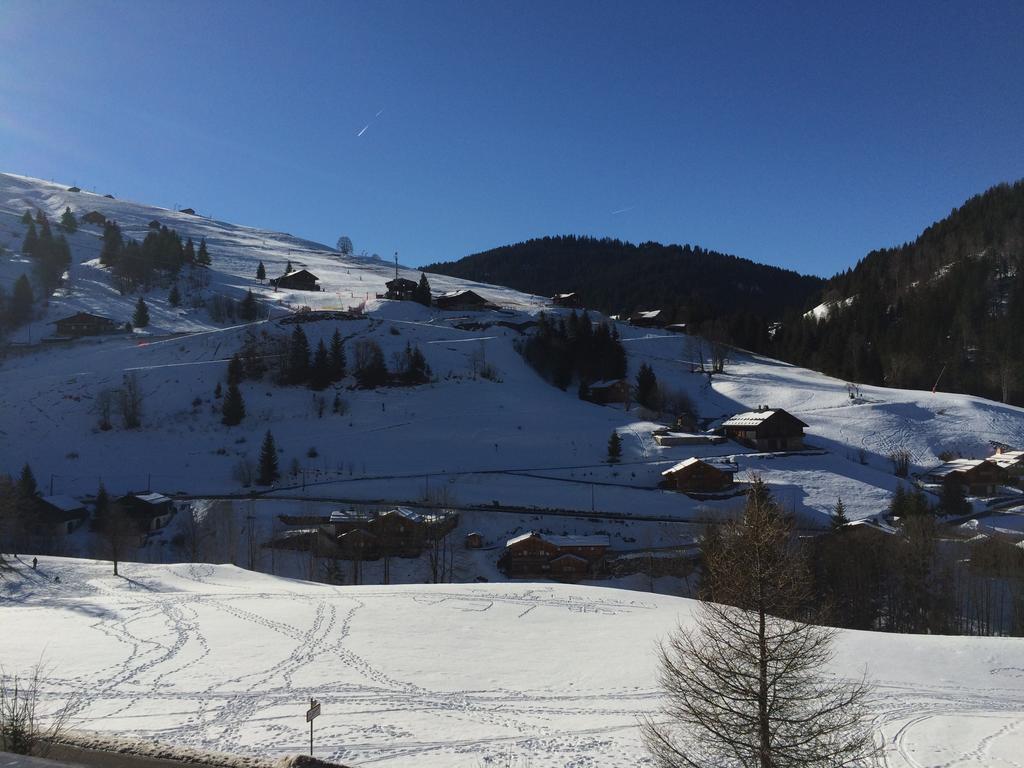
column 85, row 324
column 297, row 280
column 978, row 477
column 189, row 211
column 567, row 300
column 148, row 511
column 649, row 318
column 474, row 540
column 462, row 301
column 696, row 476
column 94, row 217
column 538, row 555
column 400, row 289
column 605, row 392
column 58, row 515
column 768, row 429
column 1013, row 463
column 315, row 540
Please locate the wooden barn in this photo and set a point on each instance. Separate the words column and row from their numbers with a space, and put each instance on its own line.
column 1013, row 463
column 767, row 429
column 94, row 217
column 400, row 289
column 358, row 544
column 148, row 511
column 315, row 540
column 537, row 555
column 649, row 318
column 462, row 301
column 979, row 477
column 85, row 324
column 696, row 476
column 474, row 540
column 297, row 280
column 189, row 211
column 59, row 515
column 606, row 392
column 567, row 300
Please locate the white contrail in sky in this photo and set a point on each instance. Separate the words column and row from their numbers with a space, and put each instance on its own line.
column 623, row 210
column 378, row 114
column 362, row 130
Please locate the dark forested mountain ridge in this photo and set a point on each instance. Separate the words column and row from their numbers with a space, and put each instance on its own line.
column 695, row 284
column 946, row 308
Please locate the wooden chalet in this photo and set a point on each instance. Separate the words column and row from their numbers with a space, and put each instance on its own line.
column 189, row 211
column 567, row 300
column 462, row 301
column 401, row 289
column 154, row 224
column 606, row 392
column 85, row 324
column 314, row 540
column 58, row 515
column 74, row 189
column 1013, row 463
column 297, row 280
column 649, row 318
column 94, row 217
column 767, row 429
column 978, row 477
column 148, row 511
column 568, row 558
column 474, row 540
column 696, row 476
column 358, row 544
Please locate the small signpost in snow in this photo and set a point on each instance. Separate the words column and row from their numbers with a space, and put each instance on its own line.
column 311, row 713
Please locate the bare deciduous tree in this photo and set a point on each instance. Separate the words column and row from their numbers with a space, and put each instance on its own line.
column 744, row 685
column 26, row 727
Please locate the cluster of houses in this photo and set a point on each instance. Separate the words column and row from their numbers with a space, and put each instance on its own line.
column 980, row 477
column 144, row 513
column 358, row 536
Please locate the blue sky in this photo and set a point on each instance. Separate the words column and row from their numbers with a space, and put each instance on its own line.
column 797, row 134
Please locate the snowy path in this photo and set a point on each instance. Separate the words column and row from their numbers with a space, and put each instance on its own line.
column 219, row 658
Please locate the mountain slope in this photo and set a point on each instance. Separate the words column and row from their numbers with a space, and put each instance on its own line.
column 614, row 276
column 948, row 307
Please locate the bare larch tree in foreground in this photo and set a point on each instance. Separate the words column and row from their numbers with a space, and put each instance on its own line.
column 745, row 684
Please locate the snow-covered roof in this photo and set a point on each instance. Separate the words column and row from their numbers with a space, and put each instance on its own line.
column 1007, row 458
column 564, row 295
column 648, row 314
column 406, row 512
column 694, row 460
column 152, row 498
column 63, row 503
column 345, row 515
column 954, row 467
column 754, row 418
column 871, row 523
column 605, row 384
column 595, row 540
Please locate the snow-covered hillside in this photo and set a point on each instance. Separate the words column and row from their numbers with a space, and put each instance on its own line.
column 437, row 675
column 515, row 440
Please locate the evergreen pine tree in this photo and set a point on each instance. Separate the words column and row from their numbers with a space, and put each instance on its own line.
column 288, row 268
column 268, row 472
column 320, row 372
column 839, row 518
column 68, row 221
column 174, row 296
column 233, row 410
column 26, row 217
column 646, row 387
column 614, row 448
column 297, row 370
column 21, row 301
column 44, row 227
column 40, row 216
column 261, row 272
column 203, row 257
column 28, row 245
column 189, row 254
column 27, row 487
column 236, row 369
column 140, row 319
column 101, row 506
column 249, row 308
column 113, row 244
column 218, row 391
column 336, row 357
column 422, row 292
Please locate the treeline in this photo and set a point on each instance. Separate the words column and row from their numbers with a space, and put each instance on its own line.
column 574, row 349
column 947, row 308
column 916, row 579
column 693, row 284
column 161, row 254
column 51, row 257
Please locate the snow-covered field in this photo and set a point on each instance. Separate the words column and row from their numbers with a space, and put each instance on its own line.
column 438, row 675
column 517, row 441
